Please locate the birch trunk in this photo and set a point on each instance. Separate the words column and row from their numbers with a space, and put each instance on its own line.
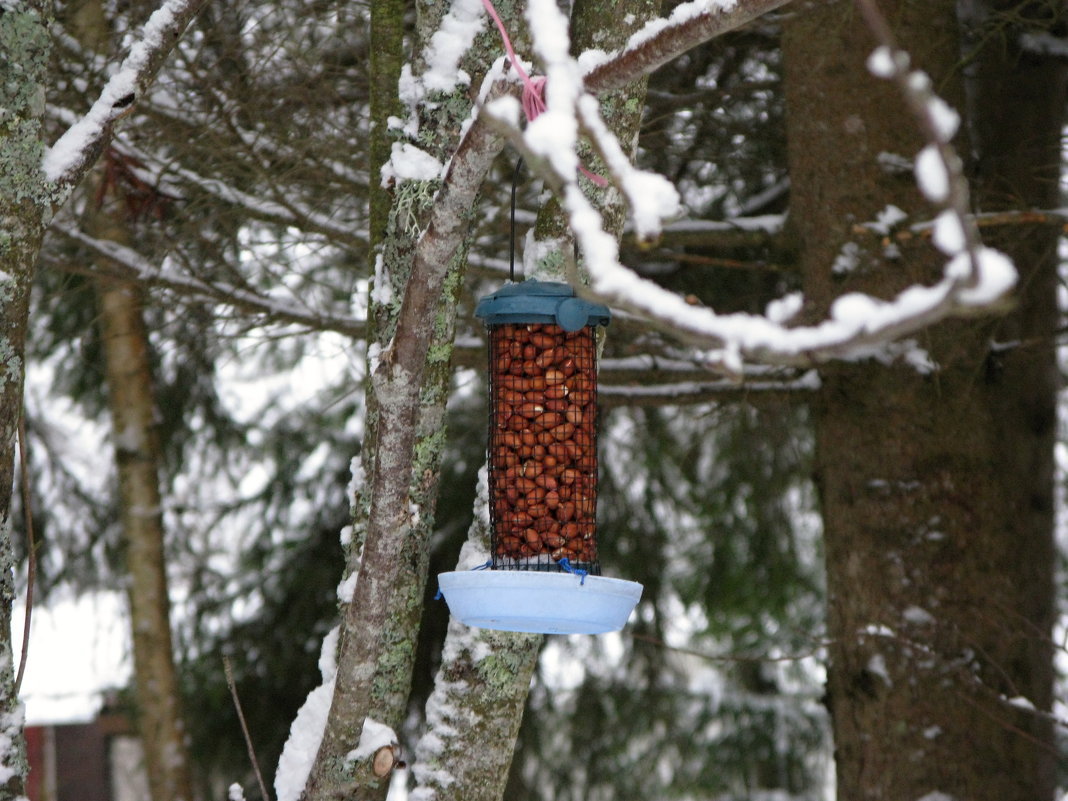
column 936, row 490
column 131, row 399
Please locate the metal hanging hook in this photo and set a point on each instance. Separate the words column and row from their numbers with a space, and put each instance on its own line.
column 511, row 236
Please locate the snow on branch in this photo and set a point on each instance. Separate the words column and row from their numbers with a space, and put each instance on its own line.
column 662, row 40
column 975, row 278
column 74, row 153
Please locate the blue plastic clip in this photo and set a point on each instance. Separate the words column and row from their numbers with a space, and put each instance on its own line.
column 565, row 563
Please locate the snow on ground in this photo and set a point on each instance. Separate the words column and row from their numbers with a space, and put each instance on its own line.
column 79, row 649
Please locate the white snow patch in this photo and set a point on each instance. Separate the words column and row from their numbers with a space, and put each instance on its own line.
column 887, row 219
column 936, row 796
column 373, row 736
column 945, row 118
column 328, row 653
column 918, row 358
column 847, row 260
column 11, row 726
column 881, row 62
column 306, row 732
column 448, row 45
column 877, row 667
column 948, row 235
column 784, row 309
column 653, row 198
column 346, row 535
column 997, row 275
column 918, row 616
column 410, row 163
column 932, row 732
column 931, row 174
column 346, row 587
column 682, row 13
column 382, row 293
column 878, row 630
column 235, row 792
column 1021, row 703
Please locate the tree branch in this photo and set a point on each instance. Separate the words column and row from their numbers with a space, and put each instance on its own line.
column 127, row 264
column 975, row 278
column 657, row 44
column 76, row 150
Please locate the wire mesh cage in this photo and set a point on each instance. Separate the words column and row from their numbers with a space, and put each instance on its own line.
column 543, row 446
column 543, row 427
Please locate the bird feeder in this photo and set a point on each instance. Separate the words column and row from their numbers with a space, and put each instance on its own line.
column 543, row 572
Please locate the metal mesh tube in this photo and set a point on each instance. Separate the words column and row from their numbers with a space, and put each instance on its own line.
column 543, row 446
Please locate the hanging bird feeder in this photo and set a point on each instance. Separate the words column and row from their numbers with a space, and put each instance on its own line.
column 543, row 574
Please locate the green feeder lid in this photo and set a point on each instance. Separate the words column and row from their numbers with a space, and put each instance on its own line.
column 541, row 302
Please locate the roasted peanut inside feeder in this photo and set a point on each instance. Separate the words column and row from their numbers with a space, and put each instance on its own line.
column 543, row 445
column 543, row 426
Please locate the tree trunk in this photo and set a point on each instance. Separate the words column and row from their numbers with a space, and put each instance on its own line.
column 936, row 489
column 418, row 279
column 24, row 53
column 137, row 456
column 138, row 460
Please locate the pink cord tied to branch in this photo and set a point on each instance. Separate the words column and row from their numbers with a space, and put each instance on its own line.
column 533, row 100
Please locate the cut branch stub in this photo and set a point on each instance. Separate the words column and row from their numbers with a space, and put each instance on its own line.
column 543, row 426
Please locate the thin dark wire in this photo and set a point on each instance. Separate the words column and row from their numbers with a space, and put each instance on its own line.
column 511, row 236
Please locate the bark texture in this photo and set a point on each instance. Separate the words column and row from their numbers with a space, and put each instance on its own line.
column 137, row 457
column 24, row 53
column 936, row 489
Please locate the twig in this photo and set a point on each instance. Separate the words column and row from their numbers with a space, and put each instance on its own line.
column 244, row 727
column 31, row 550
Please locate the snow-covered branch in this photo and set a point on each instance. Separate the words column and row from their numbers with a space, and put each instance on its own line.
column 76, row 150
column 284, row 211
column 689, row 392
column 975, row 277
column 663, row 40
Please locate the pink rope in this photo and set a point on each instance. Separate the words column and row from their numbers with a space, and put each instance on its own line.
column 533, row 100
column 533, row 89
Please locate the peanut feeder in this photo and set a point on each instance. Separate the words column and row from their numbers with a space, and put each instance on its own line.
column 542, row 471
column 542, row 433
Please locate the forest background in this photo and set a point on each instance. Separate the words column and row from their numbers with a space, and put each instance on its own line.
column 841, row 505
